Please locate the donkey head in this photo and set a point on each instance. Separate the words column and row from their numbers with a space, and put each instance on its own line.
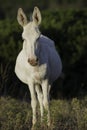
column 30, row 34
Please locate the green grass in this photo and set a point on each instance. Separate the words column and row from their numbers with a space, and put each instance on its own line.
column 65, row 115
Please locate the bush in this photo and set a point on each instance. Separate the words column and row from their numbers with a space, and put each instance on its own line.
column 69, row 31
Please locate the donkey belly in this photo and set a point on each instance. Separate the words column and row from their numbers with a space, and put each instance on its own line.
column 55, row 66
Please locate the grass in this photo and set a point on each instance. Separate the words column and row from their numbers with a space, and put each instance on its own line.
column 65, row 115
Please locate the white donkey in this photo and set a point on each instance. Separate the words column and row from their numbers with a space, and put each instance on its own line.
column 38, row 64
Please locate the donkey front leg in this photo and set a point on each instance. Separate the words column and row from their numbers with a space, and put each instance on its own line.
column 33, row 102
column 45, row 88
column 40, row 99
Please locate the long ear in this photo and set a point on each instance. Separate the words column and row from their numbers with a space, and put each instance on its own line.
column 36, row 16
column 21, row 17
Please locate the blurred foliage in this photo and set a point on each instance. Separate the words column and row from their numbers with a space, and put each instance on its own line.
column 8, row 8
column 69, row 31
column 65, row 115
column 68, row 28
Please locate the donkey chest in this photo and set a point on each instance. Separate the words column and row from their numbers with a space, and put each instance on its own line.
column 26, row 72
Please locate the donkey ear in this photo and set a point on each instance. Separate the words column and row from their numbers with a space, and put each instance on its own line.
column 36, row 16
column 21, row 17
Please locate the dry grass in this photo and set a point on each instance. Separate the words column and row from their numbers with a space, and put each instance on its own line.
column 65, row 115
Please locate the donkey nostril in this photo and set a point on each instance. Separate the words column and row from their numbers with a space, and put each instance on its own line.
column 33, row 62
column 28, row 60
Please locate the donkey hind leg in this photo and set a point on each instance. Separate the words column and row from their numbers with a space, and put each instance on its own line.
column 49, row 92
column 40, row 99
column 46, row 90
column 33, row 103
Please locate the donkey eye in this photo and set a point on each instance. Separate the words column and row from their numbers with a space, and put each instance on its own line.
column 23, row 39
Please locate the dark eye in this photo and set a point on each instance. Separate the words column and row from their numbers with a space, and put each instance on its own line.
column 23, row 38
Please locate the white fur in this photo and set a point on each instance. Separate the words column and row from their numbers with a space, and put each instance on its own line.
column 39, row 78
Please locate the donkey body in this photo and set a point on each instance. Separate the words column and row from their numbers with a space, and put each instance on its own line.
column 38, row 64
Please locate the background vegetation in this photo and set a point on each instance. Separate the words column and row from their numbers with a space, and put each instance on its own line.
column 66, row 23
column 65, row 115
column 69, row 31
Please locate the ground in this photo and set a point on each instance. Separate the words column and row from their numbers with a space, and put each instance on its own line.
column 65, row 115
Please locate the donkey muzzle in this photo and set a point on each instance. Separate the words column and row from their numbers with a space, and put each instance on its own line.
column 33, row 62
